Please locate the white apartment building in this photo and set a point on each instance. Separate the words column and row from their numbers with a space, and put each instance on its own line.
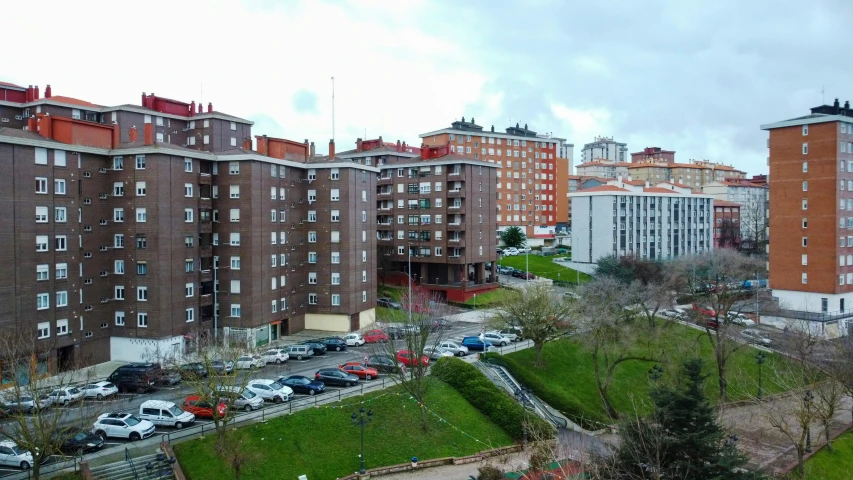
column 603, row 169
column 654, row 222
column 604, row 148
column 753, row 199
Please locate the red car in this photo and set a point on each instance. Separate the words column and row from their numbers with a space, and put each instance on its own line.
column 702, row 309
column 408, row 358
column 527, row 275
column 359, row 370
column 375, row 336
column 200, row 408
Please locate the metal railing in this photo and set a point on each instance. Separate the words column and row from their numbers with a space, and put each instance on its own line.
column 129, row 460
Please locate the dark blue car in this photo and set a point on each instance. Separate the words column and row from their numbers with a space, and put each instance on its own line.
column 303, row 385
column 475, row 344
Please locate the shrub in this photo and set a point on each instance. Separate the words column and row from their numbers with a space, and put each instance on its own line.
column 485, row 396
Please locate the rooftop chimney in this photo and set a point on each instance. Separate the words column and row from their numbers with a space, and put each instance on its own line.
column 36, row 93
column 143, row 99
column 463, row 119
column 332, row 148
column 847, row 104
column 493, row 128
column 836, row 103
column 210, row 107
column 29, row 96
column 398, row 146
column 192, row 108
column 199, row 108
column 472, row 120
column 47, row 92
column 359, row 144
column 311, row 151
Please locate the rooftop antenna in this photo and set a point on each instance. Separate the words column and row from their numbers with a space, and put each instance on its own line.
column 333, row 108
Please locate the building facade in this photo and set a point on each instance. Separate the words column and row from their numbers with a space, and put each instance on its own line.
column 531, row 176
column 694, row 174
column 727, row 228
column 752, row 198
column 655, row 222
column 653, row 154
column 603, row 169
column 604, row 148
column 142, row 232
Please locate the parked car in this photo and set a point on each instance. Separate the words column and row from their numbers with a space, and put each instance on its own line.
column 333, row 376
column 222, row 367
column 740, row 319
column 270, row 390
column 383, row 363
column 66, row 395
column 245, row 362
column 375, row 336
column 704, row 310
column 516, row 273
column 755, row 336
column 122, row 425
column 319, row 348
column 276, row 355
column 305, row 385
column 25, row 402
column 570, row 295
column 499, row 250
column 139, row 377
column 394, row 333
column 202, row 408
column 496, row 338
column 165, row 414
column 527, row 276
column 299, row 352
column 453, row 347
column 475, row 344
column 240, row 398
column 509, row 335
column 169, row 378
column 354, row 339
column 435, row 353
column 387, row 303
column 506, row 270
column 410, row 359
column 712, row 324
column 441, row 324
column 76, row 442
column 524, row 249
column 669, row 313
column 363, row 372
column 512, row 333
column 13, row 456
column 99, row 390
column 335, row 343
column 193, row 371
column 510, row 252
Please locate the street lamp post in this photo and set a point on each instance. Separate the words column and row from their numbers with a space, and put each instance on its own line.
column 760, row 358
column 360, row 420
column 808, row 402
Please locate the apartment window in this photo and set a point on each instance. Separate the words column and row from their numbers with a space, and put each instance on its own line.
column 336, row 237
column 188, row 215
column 62, row 299
column 188, row 165
column 282, row 238
column 283, row 260
column 274, row 260
column 312, row 237
column 805, row 152
column 188, row 190
column 235, row 286
column 142, row 294
column 118, row 292
column 118, row 163
column 141, row 241
column 806, row 130
column 118, row 267
column 235, row 191
column 273, row 238
column 335, row 174
column 312, row 299
column 364, row 195
column 140, row 162
column 43, row 330
column 336, row 299
column 42, row 272
column 118, row 189
column 805, row 278
column 805, row 259
column 42, row 301
column 59, row 186
column 312, row 257
column 312, row 216
column 206, row 139
column 401, row 250
column 364, row 255
column 140, row 189
column 312, row 278
column 336, row 215
column 60, row 215
column 438, row 251
column 805, row 242
column 41, row 214
column 142, row 268
column 235, row 215
column 805, row 223
column 189, row 266
column 336, row 257
column 61, row 243
column 364, row 215
column 142, row 320
column 336, row 278
column 336, row 194
column 235, row 263
column 41, row 185
column 363, row 296
column 805, row 185
column 274, row 306
column 312, row 196
column 234, row 168
column 805, row 167
column 118, row 214
column 119, row 316
column 805, row 204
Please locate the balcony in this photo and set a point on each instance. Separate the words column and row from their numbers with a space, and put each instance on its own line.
column 206, row 300
column 456, row 239
column 456, row 227
column 205, row 252
column 205, row 226
column 384, row 192
column 204, row 179
column 206, row 275
column 385, row 180
column 455, row 206
column 456, row 193
column 456, row 259
column 386, row 238
column 205, row 203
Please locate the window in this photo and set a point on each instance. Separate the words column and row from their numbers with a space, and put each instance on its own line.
column 336, row 299
column 41, row 185
column 805, row 152
column 806, row 130
column 235, row 215
column 312, row 278
column 140, row 162
column 118, row 189
column 42, row 272
column 141, row 215
column 438, row 251
column 364, row 255
column 118, row 267
column 364, row 195
column 312, row 216
column 189, row 290
column 61, row 243
column 189, row 265
column 119, row 316
column 235, row 239
column 336, row 237
column 234, row 169
column 142, row 294
column 235, row 191
column 805, row 185
column 805, row 259
column 41, row 156
column 62, row 299
column 118, row 214
column 118, row 292
column 140, row 189
column 805, row 223
column 189, row 315
column 59, row 186
column 274, row 306
column 142, row 320
column 312, row 196
column 141, row 268
column 805, row 278
column 188, row 215
column 188, row 165
column 336, row 257
column 336, row 215
column 805, row 167
column 805, row 204
column 336, row 278
column 60, row 215
column 43, row 330
column 312, row 299
column 335, row 174
column 118, row 163
column 363, row 276
column 235, row 286
column 336, row 194
column 41, row 214
column 363, row 296
column 805, row 241
column 42, row 301
column 141, row 241
column 206, row 139
column 188, row 190
column 273, row 238
column 312, row 257
column 189, row 241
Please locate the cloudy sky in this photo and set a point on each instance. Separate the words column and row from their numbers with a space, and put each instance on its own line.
column 697, row 77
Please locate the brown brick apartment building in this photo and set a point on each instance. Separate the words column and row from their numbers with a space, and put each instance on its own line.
column 811, row 202
column 140, row 211
column 435, row 211
column 727, row 232
column 532, row 178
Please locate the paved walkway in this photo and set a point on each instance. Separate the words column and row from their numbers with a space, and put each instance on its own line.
column 512, row 462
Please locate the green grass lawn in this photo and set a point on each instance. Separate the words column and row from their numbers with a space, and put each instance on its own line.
column 393, row 293
column 322, row 443
column 486, row 299
column 568, row 382
column 544, row 267
column 836, row 465
column 389, row 315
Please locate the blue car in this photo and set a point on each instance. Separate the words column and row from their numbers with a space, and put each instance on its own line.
column 475, row 344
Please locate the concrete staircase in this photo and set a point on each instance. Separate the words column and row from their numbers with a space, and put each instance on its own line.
column 146, row 467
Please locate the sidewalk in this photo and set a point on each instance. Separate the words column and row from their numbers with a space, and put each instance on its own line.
column 512, row 462
column 94, row 373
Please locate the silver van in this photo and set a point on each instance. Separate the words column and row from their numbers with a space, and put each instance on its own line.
column 165, row 414
column 299, row 351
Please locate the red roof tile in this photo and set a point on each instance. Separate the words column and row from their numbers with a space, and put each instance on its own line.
column 7, row 84
column 604, row 188
column 725, row 203
column 69, row 100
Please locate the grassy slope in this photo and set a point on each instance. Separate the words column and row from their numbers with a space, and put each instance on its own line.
column 486, row 299
column 544, row 267
column 568, row 373
column 323, row 443
column 836, row 465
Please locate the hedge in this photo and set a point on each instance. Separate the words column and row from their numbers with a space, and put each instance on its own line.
column 485, row 396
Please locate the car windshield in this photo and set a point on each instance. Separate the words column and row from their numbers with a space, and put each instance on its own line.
column 249, row 394
column 131, row 421
column 26, row 399
column 80, row 436
column 174, row 410
column 17, row 451
column 276, row 386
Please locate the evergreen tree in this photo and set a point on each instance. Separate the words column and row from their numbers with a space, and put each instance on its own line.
column 514, row 237
column 681, row 440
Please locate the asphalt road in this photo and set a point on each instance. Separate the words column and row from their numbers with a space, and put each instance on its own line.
column 83, row 414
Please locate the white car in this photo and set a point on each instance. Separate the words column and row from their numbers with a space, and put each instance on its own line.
column 270, row 390
column 510, row 252
column 511, row 336
column 122, row 425
column 165, row 414
column 276, row 355
column 13, row 456
column 66, row 395
column 741, row 319
column 755, row 336
column 454, row 348
column 524, row 249
column 437, row 352
column 246, row 362
column 354, row 340
column 99, row 390
column 496, row 339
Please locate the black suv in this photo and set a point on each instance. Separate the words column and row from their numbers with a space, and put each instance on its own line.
column 335, row 343
column 333, row 376
column 318, row 346
column 383, row 363
column 139, row 377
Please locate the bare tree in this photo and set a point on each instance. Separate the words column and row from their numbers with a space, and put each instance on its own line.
column 419, row 333
column 650, row 298
column 729, row 234
column 540, row 313
column 31, row 375
column 828, row 397
column 753, row 219
column 721, row 274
